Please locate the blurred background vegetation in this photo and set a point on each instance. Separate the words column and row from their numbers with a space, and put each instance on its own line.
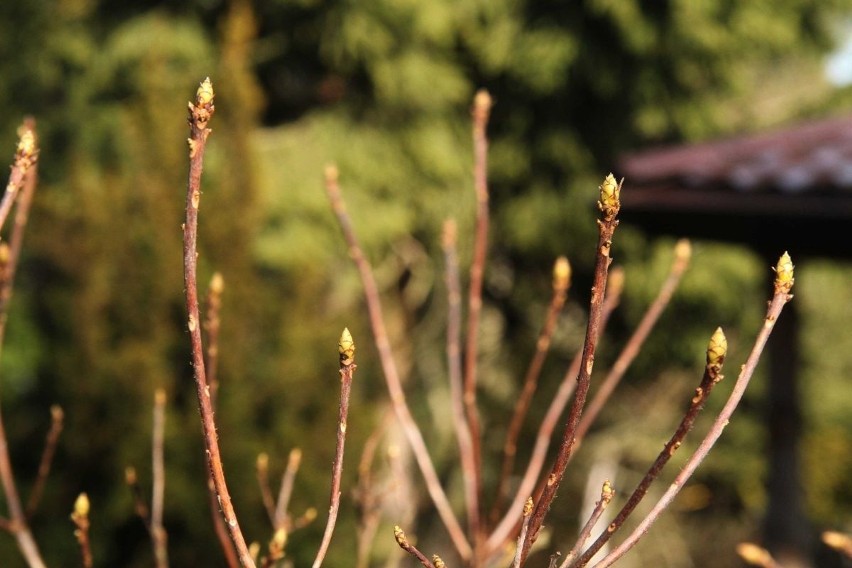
column 383, row 89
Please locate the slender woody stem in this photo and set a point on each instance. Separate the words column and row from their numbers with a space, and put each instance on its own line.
column 467, row 455
column 561, row 283
column 504, row 529
column 600, row 507
column 634, row 344
column 159, row 537
column 783, row 284
column 286, row 491
column 481, row 112
column 403, row 543
column 57, row 417
column 609, row 205
column 200, row 114
column 347, row 368
column 392, row 379
column 522, row 537
column 712, row 375
column 25, row 158
column 80, row 517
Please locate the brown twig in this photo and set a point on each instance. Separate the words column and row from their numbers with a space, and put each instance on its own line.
column 467, row 455
column 262, row 470
column 609, row 206
column 50, row 442
column 508, row 523
column 403, row 543
column 139, row 505
column 347, row 368
column 481, row 111
column 838, row 541
column 783, row 285
column 199, row 116
column 561, row 283
column 212, row 324
column 287, row 480
column 716, row 351
column 159, row 536
column 391, row 373
column 80, row 517
column 25, row 158
column 522, row 537
column 682, row 253
column 600, row 507
column 756, row 555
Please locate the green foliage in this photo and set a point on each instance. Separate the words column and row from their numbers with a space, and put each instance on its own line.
column 382, row 89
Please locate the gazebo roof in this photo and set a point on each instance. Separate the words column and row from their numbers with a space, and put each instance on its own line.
column 787, row 189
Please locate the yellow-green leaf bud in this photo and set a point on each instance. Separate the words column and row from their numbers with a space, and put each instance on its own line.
column 784, row 274
column 346, row 347
column 717, row 348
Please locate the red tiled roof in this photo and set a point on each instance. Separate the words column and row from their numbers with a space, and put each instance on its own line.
column 790, row 188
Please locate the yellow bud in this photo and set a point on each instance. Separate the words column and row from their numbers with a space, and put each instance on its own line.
column 331, row 173
column 561, row 273
column 279, row 539
column 528, row 507
column 784, row 274
column 607, row 492
column 683, row 250
column 755, row 555
column 204, row 95
column 717, row 348
column 438, row 561
column 482, row 102
column 399, row 535
column 217, row 283
column 262, row 462
column 26, row 145
column 610, row 196
column 160, row 397
column 346, row 347
column 81, row 506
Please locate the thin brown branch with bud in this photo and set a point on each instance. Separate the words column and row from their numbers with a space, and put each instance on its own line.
column 275, row 551
column 346, row 348
column 782, row 286
column 508, row 523
column 609, row 205
column 606, row 497
column 25, row 159
column 467, row 454
column 80, row 517
column 391, row 373
column 522, row 537
column 57, row 420
column 481, row 111
column 404, row 544
column 200, row 113
column 682, row 254
column 716, row 351
column 288, row 479
column 561, row 284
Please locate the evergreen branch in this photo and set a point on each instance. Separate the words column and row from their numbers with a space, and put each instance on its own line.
column 159, row 537
column 716, row 352
column 600, row 507
column 467, row 454
column 783, row 285
column 508, row 523
column 200, row 114
column 51, row 440
column 392, row 379
column 634, row 344
column 561, row 283
column 609, row 206
column 403, row 543
column 347, row 369
column 481, row 111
